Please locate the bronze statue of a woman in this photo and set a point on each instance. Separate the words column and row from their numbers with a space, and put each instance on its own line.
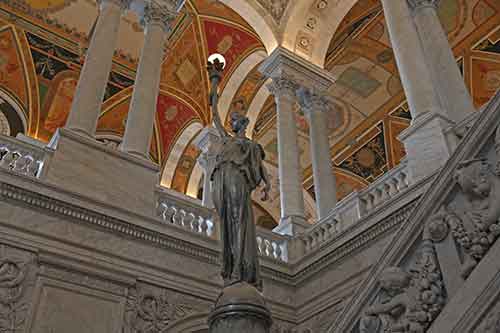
column 238, row 172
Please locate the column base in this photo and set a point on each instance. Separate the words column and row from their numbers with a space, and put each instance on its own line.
column 292, row 225
column 428, row 144
column 85, row 166
column 240, row 308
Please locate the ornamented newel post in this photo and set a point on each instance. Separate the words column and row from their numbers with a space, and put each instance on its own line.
column 238, row 171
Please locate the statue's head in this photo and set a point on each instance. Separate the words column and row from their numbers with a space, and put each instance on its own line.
column 394, row 280
column 239, row 123
column 473, row 177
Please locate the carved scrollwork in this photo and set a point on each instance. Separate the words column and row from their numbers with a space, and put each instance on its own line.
column 13, row 285
column 409, row 301
column 147, row 312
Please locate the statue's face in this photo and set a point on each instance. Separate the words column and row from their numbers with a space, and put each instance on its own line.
column 239, row 125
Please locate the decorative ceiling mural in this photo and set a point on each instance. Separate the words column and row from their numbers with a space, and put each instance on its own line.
column 56, row 39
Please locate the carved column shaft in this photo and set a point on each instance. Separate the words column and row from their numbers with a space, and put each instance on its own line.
column 292, row 198
column 449, row 83
column 315, row 107
column 140, row 121
column 93, row 80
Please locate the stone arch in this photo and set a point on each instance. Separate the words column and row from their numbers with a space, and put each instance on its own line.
column 237, row 78
column 195, row 180
column 253, row 18
column 13, row 113
column 176, row 152
column 255, row 107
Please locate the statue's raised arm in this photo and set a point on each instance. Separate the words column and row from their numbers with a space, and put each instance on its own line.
column 215, row 73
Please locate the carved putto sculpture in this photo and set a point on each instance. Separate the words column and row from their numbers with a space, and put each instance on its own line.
column 408, row 302
column 239, row 170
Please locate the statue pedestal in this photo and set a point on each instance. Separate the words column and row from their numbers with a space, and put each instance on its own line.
column 240, row 308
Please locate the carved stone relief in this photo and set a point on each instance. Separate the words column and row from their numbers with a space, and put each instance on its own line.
column 409, row 299
column 17, row 275
column 155, row 310
column 275, row 7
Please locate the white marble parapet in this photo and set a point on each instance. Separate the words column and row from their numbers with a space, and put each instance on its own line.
column 187, row 213
column 272, row 245
column 22, row 157
column 384, row 188
column 356, row 206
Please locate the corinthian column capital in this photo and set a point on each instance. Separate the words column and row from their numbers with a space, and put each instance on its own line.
column 282, row 86
column 158, row 15
column 311, row 101
column 418, row 4
column 123, row 4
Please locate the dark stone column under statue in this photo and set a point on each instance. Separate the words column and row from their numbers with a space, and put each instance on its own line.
column 238, row 171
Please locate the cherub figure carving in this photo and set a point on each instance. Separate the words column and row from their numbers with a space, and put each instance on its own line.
column 390, row 312
column 481, row 187
column 408, row 302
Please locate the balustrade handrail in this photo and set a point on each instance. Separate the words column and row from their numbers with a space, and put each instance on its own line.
column 21, row 157
column 356, row 206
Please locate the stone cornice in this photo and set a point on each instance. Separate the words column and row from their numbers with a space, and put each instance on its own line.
column 283, row 62
column 272, row 269
column 16, row 194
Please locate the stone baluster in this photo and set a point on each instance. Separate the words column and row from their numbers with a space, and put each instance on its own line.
column 93, row 79
column 140, row 121
column 445, row 73
column 315, row 108
column 426, row 142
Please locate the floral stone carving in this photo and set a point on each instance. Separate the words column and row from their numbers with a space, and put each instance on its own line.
column 409, row 301
column 478, row 227
column 13, row 285
column 147, row 312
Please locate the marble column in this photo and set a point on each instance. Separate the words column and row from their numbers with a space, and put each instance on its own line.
column 208, row 141
column 410, row 59
column 141, row 116
column 315, row 108
column 426, row 141
column 290, row 175
column 448, row 80
column 94, row 76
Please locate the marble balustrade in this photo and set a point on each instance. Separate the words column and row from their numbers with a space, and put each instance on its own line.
column 22, row 157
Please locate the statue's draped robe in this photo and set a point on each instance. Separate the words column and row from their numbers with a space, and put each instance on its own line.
column 237, row 173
